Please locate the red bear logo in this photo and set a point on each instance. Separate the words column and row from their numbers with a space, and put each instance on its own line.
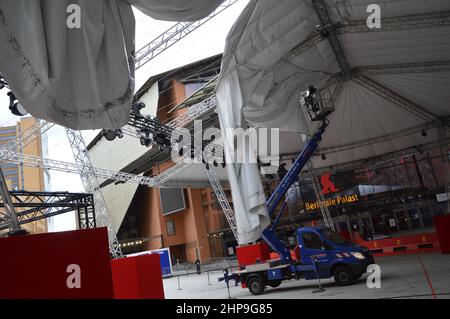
column 327, row 185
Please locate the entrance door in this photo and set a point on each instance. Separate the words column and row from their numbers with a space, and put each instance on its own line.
column 402, row 220
column 414, row 218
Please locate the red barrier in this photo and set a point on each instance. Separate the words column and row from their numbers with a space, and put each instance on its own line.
column 248, row 255
column 72, row 264
column 442, row 224
column 400, row 245
column 138, row 277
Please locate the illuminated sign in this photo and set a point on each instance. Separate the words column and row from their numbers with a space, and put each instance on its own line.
column 327, row 185
column 346, row 199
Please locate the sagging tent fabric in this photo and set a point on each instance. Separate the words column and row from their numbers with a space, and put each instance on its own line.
column 275, row 51
column 79, row 78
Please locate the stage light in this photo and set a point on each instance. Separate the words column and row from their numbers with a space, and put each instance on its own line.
column 323, row 157
column 15, row 106
column 146, row 138
column 137, row 107
column 424, row 133
column 111, row 135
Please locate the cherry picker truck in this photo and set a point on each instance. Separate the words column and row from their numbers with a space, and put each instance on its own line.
column 323, row 252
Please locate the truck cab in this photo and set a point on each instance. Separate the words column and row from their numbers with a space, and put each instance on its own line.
column 333, row 255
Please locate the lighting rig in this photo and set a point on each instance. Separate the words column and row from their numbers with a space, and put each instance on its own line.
column 15, row 106
column 153, row 132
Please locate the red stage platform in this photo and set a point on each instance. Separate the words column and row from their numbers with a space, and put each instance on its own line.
column 72, row 264
column 138, row 277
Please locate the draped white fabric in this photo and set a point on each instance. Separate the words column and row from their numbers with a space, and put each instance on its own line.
column 82, row 78
column 269, row 60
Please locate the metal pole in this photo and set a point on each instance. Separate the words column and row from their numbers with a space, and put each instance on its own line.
column 209, row 281
column 9, row 207
column 179, row 287
column 316, row 268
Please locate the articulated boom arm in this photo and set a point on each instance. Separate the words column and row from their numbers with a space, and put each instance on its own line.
column 277, row 196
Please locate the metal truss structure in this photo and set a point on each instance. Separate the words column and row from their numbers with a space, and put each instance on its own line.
column 395, row 98
column 34, row 206
column 175, row 34
column 37, row 129
column 194, row 111
column 85, row 169
column 9, row 216
column 392, row 24
column 327, row 31
column 330, row 32
column 223, row 200
column 91, row 185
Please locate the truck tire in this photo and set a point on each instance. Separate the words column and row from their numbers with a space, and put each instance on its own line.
column 343, row 276
column 256, row 285
column 275, row 284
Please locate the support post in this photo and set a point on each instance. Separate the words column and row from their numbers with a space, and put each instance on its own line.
column 9, row 207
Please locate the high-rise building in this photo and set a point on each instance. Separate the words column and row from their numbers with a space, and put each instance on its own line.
column 20, row 177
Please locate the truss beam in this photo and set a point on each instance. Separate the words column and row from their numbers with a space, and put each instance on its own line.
column 428, row 20
column 388, row 24
column 34, row 206
column 378, row 139
column 423, row 67
column 175, row 34
column 396, row 99
column 329, row 31
column 91, row 185
column 10, row 215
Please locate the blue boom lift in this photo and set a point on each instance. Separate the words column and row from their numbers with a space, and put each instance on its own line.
column 323, row 253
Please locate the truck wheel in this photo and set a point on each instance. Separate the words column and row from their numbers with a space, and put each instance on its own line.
column 343, row 276
column 275, row 284
column 255, row 285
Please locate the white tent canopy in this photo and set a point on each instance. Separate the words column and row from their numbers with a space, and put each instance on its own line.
column 82, row 78
column 388, row 84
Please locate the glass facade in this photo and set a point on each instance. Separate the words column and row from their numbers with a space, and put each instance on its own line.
column 377, row 200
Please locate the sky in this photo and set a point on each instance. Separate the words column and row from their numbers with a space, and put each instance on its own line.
column 204, row 42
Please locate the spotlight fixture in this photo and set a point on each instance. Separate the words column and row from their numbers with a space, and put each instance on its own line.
column 111, row 135
column 15, row 106
column 323, row 157
column 424, row 133
column 146, row 138
column 137, row 107
column 2, row 82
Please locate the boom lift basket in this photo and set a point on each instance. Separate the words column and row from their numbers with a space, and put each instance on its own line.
column 317, row 103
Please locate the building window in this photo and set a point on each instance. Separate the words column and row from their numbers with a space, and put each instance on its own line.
column 170, row 225
column 191, row 88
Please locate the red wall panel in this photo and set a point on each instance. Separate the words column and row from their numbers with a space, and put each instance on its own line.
column 36, row 266
column 442, row 224
column 138, row 277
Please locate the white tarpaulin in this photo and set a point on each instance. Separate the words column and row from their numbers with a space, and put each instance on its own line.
column 275, row 51
column 82, row 78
